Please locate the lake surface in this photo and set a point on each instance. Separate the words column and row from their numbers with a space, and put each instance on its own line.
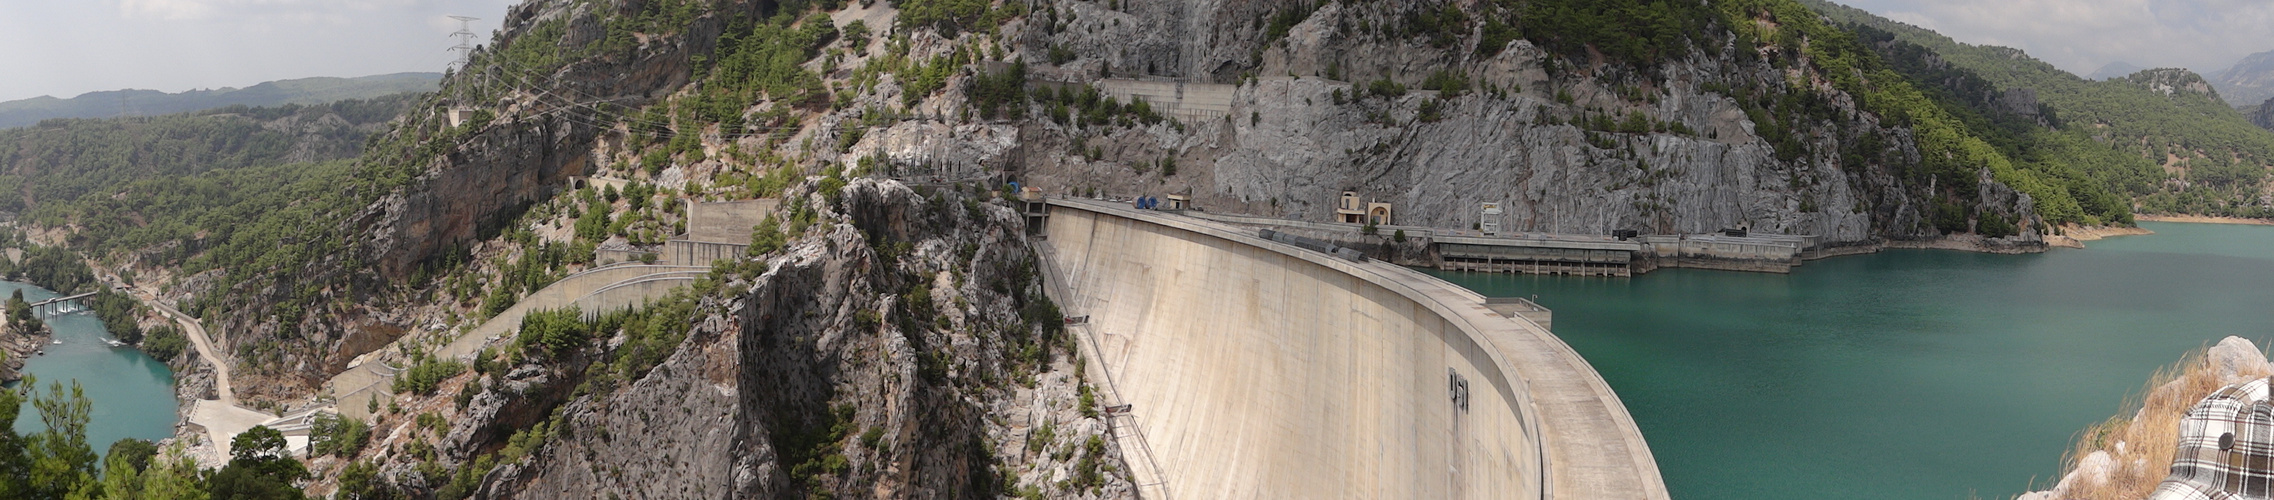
column 1907, row 374
column 132, row 394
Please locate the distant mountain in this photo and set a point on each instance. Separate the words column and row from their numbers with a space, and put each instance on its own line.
column 2172, row 117
column 2116, row 69
column 2249, row 81
column 132, row 102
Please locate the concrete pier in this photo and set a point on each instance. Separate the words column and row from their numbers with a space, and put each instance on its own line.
column 1257, row 369
column 1572, row 254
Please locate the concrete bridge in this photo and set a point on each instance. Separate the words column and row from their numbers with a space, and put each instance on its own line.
column 1256, row 369
column 63, row 305
column 63, row 299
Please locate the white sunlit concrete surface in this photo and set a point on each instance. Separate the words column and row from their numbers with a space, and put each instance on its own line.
column 1256, row 369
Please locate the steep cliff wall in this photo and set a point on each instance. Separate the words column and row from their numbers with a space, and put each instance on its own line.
column 2263, row 115
column 898, row 345
column 1523, row 128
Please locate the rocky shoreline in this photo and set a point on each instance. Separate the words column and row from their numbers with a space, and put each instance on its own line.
column 2204, row 219
column 20, row 347
column 2074, row 236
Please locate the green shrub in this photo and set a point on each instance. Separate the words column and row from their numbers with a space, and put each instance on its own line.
column 1386, row 88
column 1993, row 225
column 1431, row 111
column 1447, row 83
column 332, row 435
column 164, row 343
column 1089, row 402
column 1949, row 217
column 553, row 332
column 767, row 237
column 427, row 375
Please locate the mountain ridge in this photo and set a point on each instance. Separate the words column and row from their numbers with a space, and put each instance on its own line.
column 2118, row 69
column 2214, row 160
column 142, row 102
column 2249, row 81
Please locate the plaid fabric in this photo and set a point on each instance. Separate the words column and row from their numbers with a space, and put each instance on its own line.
column 2226, row 447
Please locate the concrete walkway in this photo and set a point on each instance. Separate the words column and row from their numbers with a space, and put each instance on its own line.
column 222, row 423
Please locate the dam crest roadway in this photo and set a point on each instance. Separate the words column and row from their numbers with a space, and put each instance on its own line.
column 1239, row 367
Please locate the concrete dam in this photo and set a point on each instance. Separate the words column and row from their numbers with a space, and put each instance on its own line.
column 1237, row 367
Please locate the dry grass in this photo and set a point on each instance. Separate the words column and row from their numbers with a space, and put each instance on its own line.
column 2149, row 435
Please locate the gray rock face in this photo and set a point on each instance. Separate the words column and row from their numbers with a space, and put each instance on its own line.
column 2263, row 115
column 1548, row 177
column 1517, row 137
column 2236, row 357
column 828, row 375
column 2174, row 81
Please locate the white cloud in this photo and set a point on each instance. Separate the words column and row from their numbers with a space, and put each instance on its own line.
column 165, row 9
column 2082, row 35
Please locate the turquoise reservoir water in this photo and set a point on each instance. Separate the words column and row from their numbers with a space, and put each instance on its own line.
column 132, row 394
column 1908, row 374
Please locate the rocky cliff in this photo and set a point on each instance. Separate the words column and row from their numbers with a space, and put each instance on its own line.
column 1523, row 127
column 901, row 347
column 2174, row 81
column 2263, row 114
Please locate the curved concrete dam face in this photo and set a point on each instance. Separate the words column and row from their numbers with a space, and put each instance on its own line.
column 1255, row 369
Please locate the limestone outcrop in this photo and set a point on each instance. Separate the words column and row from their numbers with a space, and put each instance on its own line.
column 1308, row 123
column 902, row 348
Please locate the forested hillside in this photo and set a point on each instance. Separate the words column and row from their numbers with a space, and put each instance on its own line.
column 1957, row 131
column 2214, row 160
column 167, row 188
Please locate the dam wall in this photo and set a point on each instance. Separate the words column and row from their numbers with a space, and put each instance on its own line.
column 1256, row 369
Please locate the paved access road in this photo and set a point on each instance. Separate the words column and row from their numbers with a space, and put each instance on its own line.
column 196, row 332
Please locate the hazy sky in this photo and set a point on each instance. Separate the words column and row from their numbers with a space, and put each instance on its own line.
column 2082, row 35
column 68, row 47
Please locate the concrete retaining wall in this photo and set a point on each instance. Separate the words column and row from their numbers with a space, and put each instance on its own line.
column 1260, row 370
column 699, row 253
column 605, row 288
column 1189, row 102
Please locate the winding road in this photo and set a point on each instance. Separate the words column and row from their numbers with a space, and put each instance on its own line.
column 196, row 332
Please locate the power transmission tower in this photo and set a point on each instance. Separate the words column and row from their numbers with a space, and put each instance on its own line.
column 465, row 49
column 465, row 34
